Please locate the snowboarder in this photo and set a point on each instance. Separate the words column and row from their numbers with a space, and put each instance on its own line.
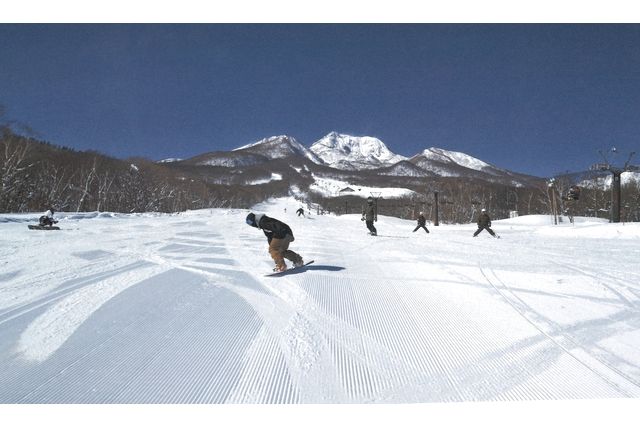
column 484, row 223
column 300, row 212
column 370, row 215
column 422, row 221
column 47, row 220
column 279, row 236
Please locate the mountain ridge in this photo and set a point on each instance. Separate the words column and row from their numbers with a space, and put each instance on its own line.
column 349, row 152
column 363, row 154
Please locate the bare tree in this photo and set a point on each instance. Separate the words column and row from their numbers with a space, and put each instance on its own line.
column 14, row 170
column 87, row 175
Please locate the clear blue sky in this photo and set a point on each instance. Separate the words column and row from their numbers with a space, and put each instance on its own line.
column 537, row 99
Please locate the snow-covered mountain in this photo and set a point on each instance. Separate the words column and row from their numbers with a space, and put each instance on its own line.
column 272, row 148
column 228, row 159
column 405, row 168
column 448, row 163
column 462, row 159
column 445, row 163
column 603, row 180
column 354, row 152
column 279, row 147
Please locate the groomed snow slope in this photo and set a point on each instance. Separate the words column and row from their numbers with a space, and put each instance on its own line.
column 175, row 309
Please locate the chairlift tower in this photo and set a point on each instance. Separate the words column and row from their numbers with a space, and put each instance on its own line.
column 616, row 180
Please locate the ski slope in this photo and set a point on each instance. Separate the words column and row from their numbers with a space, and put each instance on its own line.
column 160, row 308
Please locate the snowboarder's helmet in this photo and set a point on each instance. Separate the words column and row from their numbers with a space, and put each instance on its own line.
column 484, row 210
column 251, row 219
column 370, row 200
column 421, row 213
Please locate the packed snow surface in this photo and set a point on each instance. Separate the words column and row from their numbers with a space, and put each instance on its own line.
column 156, row 308
column 331, row 187
column 274, row 177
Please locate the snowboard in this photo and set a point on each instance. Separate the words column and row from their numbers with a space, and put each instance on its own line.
column 43, row 227
column 289, row 270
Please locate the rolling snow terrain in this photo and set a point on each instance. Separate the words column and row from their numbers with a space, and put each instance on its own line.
column 153, row 308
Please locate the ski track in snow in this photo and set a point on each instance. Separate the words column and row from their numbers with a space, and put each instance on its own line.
column 176, row 309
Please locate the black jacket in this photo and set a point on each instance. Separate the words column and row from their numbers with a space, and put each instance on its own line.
column 422, row 221
column 274, row 228
column 370, row 212
column 484, row 220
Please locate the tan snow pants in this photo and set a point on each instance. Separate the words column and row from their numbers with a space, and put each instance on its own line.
column 279, row 249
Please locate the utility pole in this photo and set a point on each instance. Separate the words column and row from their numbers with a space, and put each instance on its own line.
column 552, row 198
column 615, row 195
column 615, row 181
column 436, row 221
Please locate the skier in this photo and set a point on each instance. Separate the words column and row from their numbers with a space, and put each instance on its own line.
column 484, row 223
column 300, row 212
column 422, row 221
column 279, row 236
column 47, row 218
column 370, row 215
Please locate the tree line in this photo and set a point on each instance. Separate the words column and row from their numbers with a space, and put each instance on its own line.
column 35, row 176
column 460, row 200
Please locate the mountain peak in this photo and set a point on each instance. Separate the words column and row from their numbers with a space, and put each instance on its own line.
column 279, row 147
column 447, row 156
column 272, row 140
column 354, row 152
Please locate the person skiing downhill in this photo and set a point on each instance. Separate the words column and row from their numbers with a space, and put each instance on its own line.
column 47, row 218
column 370, row 215
column 279, row 236
column 484, row 223
column 422, row 221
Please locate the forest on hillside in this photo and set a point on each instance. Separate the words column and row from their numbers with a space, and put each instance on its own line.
column 460, row 201
column 36, row 175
